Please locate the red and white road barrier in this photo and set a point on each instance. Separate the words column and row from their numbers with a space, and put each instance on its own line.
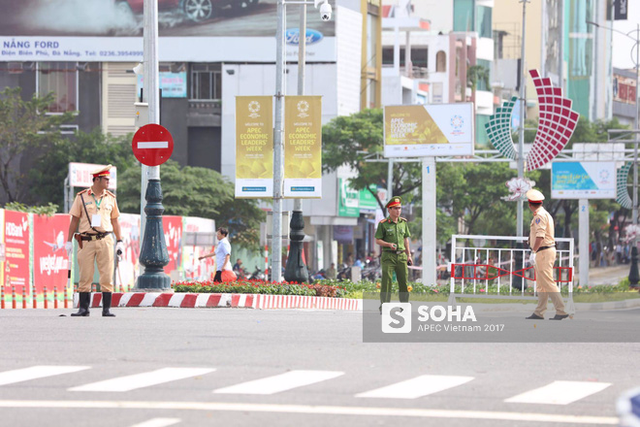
column 261, row 301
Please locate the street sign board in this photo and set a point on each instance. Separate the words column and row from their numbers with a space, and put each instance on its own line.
column 428, row 130
column 583, row 180
column 81, row 175
column 152, row 144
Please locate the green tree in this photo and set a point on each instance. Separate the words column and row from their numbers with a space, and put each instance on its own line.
column 24, row 129
column 199, row 192
column 50, row 171
column 352, row 140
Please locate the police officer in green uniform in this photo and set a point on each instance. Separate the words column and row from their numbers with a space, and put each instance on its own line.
column 393, row 235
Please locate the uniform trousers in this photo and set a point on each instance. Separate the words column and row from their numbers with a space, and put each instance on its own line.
column 546, row 284
column 392, row 262
column 100, row 252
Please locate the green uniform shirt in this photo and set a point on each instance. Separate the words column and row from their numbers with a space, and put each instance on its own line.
column 392, row 232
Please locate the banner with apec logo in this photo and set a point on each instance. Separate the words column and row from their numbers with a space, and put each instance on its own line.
column 254, row 146
column 583, row 180
column 303, row 147
column 428, row 130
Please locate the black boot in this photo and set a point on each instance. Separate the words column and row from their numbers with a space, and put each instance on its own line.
column 83, row 304
column 106, row 305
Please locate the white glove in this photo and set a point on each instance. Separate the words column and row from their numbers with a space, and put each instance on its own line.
column 532, row 258
column 69, row 248
column 119, row 248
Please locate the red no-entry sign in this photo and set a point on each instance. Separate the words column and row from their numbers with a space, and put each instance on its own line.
column 152, row 145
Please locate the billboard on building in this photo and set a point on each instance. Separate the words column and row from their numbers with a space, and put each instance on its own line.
column 111, row 30
column 583, row 180
column 303, row 147
column 428, row 130
column 254, row 146
column 624, row 89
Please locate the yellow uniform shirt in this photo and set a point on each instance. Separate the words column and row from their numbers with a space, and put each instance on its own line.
column 542, row 226
column 105, row 206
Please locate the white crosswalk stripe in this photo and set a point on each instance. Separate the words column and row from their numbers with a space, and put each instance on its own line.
column 158, row 422
column 417, row 387
column 559, row 392
column 132, row 382
column 34, row 372
column 280, row 383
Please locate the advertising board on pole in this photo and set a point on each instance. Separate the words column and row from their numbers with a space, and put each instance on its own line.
column 80, row 175
column 254, row 146
column 583, row 180
column 428, row 130
column 303, row 147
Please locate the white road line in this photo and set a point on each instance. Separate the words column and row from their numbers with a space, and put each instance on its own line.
column 560, row 392
column 26, row 374
column 158, row 422
column 312, row 409
column 279, row 383
column 417, row 387
column 146, row 379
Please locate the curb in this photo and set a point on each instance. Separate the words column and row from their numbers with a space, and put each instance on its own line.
column 259, row 301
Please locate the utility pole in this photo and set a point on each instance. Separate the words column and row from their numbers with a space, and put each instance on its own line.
column 296, row 270
column 523, row 106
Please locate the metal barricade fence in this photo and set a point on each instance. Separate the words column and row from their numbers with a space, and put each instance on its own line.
column 502, row 268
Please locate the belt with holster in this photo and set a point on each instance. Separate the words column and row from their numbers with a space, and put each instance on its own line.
column 394, row 252
column 88, row 237
column 546, row 247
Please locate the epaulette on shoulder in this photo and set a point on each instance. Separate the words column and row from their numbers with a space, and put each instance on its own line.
column 83, row 191
column 404, row 219
column 384, row 220
column 110, row 193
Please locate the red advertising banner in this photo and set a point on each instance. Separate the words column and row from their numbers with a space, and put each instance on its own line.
column 16, row 234
column 127, row 271
column 172, row 226
column 50, row 262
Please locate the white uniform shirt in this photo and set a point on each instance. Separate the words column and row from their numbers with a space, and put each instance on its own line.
column 222, row 250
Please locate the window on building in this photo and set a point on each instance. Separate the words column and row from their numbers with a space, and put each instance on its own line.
column 483, row 22
column 420, row 57
column 206, row 81
column 387, row 56
column 463, row 15
column 484, row 75
column 441, row 62
column 61, row 78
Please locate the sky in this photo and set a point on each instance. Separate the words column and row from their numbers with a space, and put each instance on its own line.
column 624, row 48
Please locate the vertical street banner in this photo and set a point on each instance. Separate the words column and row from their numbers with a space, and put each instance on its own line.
column 3, row 248
column 254, row 146
column 16, row 233
column 303, row 147
column 172, row 226
column 127, row 271
column 50, row 258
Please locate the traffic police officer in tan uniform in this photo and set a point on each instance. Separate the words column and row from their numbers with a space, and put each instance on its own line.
column 393, row 235
column 94, row 215
column 543, row 257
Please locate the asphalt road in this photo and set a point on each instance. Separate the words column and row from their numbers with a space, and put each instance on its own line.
column 192, row 367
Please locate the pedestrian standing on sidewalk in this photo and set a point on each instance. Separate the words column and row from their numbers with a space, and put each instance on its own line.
column 222, row 253
column 94, row 218
column 393, row 235
column 543, row 257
